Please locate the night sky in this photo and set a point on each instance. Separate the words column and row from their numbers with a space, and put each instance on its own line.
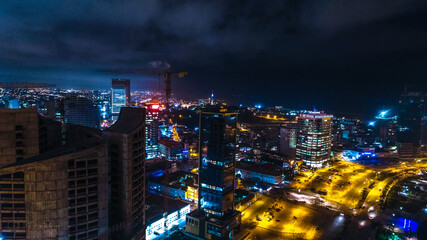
column 341, row 56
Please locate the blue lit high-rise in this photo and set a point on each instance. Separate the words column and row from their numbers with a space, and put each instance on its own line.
column 120, row 96
column 217, row 147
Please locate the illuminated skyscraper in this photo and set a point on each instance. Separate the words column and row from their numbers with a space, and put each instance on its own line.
column 152, row 129
column 314, row 138
column 120, row 96
column 409, row 123
column 216, row 217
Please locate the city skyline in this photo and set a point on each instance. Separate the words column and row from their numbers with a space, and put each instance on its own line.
column 216, row 120
column 263, row 53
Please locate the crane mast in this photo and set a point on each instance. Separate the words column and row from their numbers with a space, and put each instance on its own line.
column 162, row 73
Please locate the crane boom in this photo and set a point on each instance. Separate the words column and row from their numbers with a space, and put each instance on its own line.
column 162, row 73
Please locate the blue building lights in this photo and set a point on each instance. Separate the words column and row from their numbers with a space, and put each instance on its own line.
column 157, row 173
column 406, row 224
column 351, row 155
column 383, row 113
column 217, row 158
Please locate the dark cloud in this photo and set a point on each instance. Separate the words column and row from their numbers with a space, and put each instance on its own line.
column 338, row 55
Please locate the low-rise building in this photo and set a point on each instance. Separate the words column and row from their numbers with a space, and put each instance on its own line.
column 182, row 185
column 163, row 214
column 170, row 149
column 267, row 173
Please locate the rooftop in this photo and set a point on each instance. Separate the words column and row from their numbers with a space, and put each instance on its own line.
column 267, row 169
column 130, row 118
column 18, row 110
column 218, row 221
column 156, row 206
column 73, row 148
column 314, row 115
column 177, row 179
column 169, row 143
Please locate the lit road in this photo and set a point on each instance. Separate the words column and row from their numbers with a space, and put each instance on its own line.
column 292, row 221
column 342, row 182
column 348, row 180
column 347, row 187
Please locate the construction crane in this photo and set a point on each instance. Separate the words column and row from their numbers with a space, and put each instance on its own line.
column 161, row 73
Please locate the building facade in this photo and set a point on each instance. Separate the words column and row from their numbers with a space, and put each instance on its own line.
column 126, row 140
column 314, row 138
column 288, row 140
column 81, row 111
column 215, row 217
column 19, row 135
column 267, row 174
column 120, row 96
column 170, row 149
column 62, row 194
column 163, row 215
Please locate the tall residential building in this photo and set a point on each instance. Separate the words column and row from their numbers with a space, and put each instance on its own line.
column 81, row 111
column 61, row 194
column 314, row 138
column 152, row 128
column 126, row 140
column 19, row 135
column 215, row 217
column 120, row 96
column 409, row 123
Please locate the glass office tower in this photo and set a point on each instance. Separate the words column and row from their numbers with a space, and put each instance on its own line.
column 120, row 96
column 216, row 217
column 314, row 138
column 217, row 162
